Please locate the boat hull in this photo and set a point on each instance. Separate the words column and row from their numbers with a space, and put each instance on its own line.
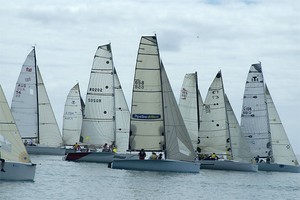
column 228, row 165
column 18, row 171
column 98, row 157
column 278, row 167
column 44, row 150
column 157, row 165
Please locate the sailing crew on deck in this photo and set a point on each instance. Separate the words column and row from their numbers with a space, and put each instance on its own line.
column 75, row 146
column 214, row 156
column 160, row 156
column 105, row 148
column 114, row 149
column 142, row 154
column 153, row 156
column 2, row 163
column 257, row 159
column 268, row 160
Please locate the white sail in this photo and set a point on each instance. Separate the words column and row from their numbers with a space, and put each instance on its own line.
column 178, row 142
column 73, row 114
column 214, row 131
column 49, row 133
column 31, row 107
column 239, row 147
column 254, row 118
column 147, row 117
column 11, row 145
column 156, row 122
column 122, row 116
column 104, row 103
column 282, row 150
column 24, row 103
column 190, row 105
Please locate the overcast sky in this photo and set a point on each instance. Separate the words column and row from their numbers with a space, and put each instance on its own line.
column 203, row 36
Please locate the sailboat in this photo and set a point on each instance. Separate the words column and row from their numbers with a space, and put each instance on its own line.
column 33, row 113
column 156, row 124
column 262, row 127
column 17, row 165
column 106, row 114
column 220, row 133
column 190, row 105
column 73, row 114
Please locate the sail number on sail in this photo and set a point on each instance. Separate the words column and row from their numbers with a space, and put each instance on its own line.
column 138, row 84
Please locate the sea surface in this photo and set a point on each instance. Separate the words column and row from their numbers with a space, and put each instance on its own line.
column 58, row 179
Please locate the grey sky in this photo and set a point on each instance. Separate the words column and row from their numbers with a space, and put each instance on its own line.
column 203, row 36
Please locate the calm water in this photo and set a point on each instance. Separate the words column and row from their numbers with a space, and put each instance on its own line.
column 58, row 179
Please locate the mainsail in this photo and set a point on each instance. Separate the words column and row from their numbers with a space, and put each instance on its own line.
column 73, row 114
column 31, row 107
column 11, row 145
column 214, row 132
column 254, row 118
column 156, row 122
column 105, row 103
column 190, row 105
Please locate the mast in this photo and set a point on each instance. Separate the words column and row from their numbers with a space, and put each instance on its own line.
column 37, row 96
column 162, row 98
column 114, row 94
column 197, row 100
column 226, row 119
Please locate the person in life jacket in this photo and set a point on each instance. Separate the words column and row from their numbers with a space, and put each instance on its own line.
column 214, row 156
column 75, row 146
column 114, row 149
column 153, row 156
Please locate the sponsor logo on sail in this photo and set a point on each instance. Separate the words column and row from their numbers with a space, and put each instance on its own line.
column 146, row 116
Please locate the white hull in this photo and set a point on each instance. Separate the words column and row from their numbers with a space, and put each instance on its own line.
column 98, row 157
column 228, row 165
column 44, row 150
column 278, row 167
column 18, row 171
column 157, row 165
